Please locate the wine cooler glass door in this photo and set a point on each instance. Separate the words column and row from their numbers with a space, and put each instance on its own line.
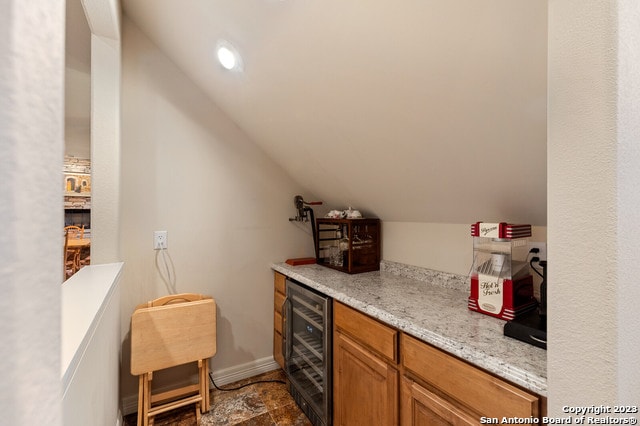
column 307, row 364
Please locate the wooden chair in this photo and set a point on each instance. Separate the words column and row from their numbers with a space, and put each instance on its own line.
column 69, row 259
column 84, row 257
column 167, row 332
column 73, row 232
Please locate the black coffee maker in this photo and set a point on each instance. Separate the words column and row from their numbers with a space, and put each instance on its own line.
column 532, row 328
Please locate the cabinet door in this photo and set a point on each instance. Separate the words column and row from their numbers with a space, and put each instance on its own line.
column 365, row 387
column 420, row 407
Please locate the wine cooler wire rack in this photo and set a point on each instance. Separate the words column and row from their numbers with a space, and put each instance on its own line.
column 309, row 316
column 311, row 374
column 315, row 310
column 308, row 356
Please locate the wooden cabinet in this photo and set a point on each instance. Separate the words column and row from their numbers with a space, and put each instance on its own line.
column 365, row 374
column 454, row 391
column 382, row 376
column 279, row 295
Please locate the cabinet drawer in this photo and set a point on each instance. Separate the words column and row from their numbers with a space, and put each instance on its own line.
column 279, row 282
column 277, row 322
column 482, row 392
column 375, row 335
column 278, row 301
column 277, row 349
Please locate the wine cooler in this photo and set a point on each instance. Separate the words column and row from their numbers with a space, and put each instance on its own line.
column 307, row 351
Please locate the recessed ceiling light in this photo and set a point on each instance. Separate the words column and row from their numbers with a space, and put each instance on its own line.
column 228, row 56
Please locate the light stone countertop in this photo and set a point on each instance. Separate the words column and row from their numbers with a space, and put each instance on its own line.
column 431, row 306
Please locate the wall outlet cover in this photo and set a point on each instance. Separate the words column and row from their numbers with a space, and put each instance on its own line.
column 160, row 240
column 542, row 250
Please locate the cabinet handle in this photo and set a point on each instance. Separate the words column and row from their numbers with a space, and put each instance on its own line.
column 285, row 308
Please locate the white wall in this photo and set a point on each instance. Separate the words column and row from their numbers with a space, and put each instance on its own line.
column 31, row 209
column 77, row 84
column 593, row 176
column 104, row 19
column 444, row 247
column 105, row 149
column 628, row 200
column 77, row 96
column 189, row 170
column 77, row 140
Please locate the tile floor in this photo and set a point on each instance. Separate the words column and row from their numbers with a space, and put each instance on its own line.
column 260, row 404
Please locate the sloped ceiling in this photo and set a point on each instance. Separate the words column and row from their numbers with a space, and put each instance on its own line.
column 410, row 110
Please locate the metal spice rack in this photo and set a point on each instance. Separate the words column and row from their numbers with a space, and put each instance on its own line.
column 363, row 249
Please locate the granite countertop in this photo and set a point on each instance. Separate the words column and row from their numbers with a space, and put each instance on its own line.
column 431, row 306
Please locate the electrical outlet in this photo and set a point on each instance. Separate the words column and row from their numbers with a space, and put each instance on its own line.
column 160, row 240
column 542, row 253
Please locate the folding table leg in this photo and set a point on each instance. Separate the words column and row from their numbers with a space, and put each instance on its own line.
column 207, row 406
column 202, row 377
column 147, row 399
column 140, row 398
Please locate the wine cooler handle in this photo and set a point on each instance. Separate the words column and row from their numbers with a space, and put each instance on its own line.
column 285, row 308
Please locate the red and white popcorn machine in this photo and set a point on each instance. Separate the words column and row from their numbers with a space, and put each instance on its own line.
column 501, row 281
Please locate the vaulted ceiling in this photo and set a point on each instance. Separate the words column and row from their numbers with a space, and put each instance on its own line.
column 410, row 110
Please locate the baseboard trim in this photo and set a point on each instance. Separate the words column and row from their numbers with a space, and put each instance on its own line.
column 250, row 369
column 222, row 377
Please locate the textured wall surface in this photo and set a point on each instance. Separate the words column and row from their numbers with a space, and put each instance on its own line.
column 31, row 213
column 105, row 149
column 628, row 199
column 593, row 179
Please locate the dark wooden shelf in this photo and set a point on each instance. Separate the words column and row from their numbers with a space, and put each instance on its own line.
column 363, row 252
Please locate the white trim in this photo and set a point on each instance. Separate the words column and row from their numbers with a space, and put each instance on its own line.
column 250, row 369
column 222, row 377
column 85, row 297
column 90, row 329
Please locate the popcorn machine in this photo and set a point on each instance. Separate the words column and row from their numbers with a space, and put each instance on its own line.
column 501, row 281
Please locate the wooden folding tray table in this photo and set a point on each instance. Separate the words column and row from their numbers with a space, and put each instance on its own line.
column 167, row 332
